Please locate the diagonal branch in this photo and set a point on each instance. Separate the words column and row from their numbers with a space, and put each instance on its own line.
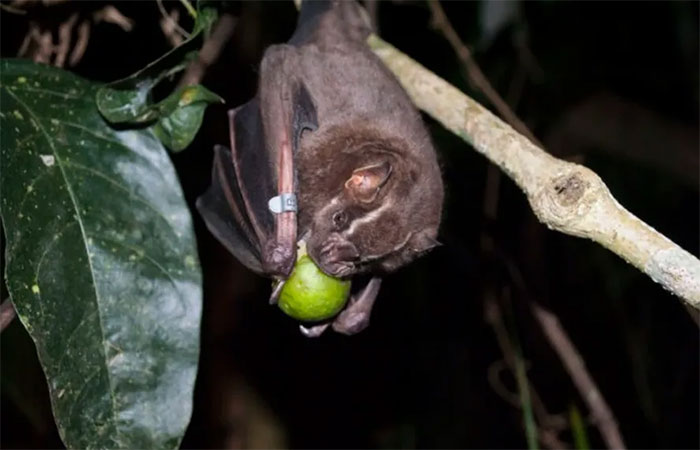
column 574, row 364
column 549, row 425
column 566, row 197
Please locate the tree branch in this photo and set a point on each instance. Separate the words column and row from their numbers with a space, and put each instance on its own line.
column 566, row 197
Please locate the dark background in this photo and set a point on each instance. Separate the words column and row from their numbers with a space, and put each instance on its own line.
column 611, row 85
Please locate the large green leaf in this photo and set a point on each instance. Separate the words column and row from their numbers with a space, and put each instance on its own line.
column 101, row 262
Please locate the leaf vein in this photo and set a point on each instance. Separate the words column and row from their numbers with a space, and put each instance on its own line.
column 87, row 381
column 116, row 183
column 83, row 321
column 78, row 217
column 48, row 91
column 152, row 260
column 91, row 132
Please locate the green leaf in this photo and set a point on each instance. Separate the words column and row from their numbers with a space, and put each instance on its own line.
column 101, row 262
column 578, row 429
column 181, row 116
column 129, row 101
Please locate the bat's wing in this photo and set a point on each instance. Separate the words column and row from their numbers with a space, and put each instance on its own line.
column 225, row 214
column 251, row 205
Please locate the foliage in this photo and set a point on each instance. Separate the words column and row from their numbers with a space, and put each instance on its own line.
column 175, row 119
column 101, row 259
column 101, row 262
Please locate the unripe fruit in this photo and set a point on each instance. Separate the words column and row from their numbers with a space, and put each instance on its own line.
column 309, row 294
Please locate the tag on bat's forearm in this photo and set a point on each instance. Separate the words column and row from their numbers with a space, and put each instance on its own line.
column 283, row 203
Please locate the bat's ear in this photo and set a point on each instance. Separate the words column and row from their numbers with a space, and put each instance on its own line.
column 423, row 241
column 364, row 184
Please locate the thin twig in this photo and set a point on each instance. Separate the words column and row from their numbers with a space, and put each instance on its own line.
column 189, row 8
column 603, row 417
column 574, row 364
column 167, row 26
column 37, row 45
column 81, row 43
column 11, row 9
column 473, row 71
column 112, row 15
column 7, row 313
column 493, row 375
column 65, row 30
column 531, row 431
column 172, row 22
column 211, row 49
column 549, row 424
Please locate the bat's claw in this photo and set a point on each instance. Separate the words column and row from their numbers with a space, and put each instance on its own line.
column 351, row 322
column 314, row 331
column 275, row 295
column 355, row 317
column 278, row 259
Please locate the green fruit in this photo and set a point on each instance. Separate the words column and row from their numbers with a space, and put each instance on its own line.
column 309, row 294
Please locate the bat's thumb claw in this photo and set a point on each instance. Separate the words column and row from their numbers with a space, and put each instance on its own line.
column 275, row 295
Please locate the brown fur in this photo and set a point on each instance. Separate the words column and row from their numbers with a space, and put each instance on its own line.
column 364, row 118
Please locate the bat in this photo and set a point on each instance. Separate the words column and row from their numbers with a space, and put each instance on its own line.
column 330, row 150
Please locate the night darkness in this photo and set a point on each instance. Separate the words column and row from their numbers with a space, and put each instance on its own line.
column 421, row 375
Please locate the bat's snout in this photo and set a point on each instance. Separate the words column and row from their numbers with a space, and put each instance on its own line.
column 335, row 256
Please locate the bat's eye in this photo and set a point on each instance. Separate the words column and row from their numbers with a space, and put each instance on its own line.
column 339, row 219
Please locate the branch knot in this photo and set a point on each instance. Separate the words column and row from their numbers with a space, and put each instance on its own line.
column 565, row 199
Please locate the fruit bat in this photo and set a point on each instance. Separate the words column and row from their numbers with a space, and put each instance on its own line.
column 332, row 151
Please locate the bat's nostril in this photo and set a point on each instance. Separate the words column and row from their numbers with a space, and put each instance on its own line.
column 326, row 250
column 339, row 269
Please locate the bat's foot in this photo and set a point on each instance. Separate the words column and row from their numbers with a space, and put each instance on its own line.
column 355, row 317
column 314, row 331
column 351, row 322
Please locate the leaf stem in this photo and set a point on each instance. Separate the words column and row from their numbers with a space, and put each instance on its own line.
column 523, row 387
column 166, row 16
column 578, row 428
column 189, row 8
